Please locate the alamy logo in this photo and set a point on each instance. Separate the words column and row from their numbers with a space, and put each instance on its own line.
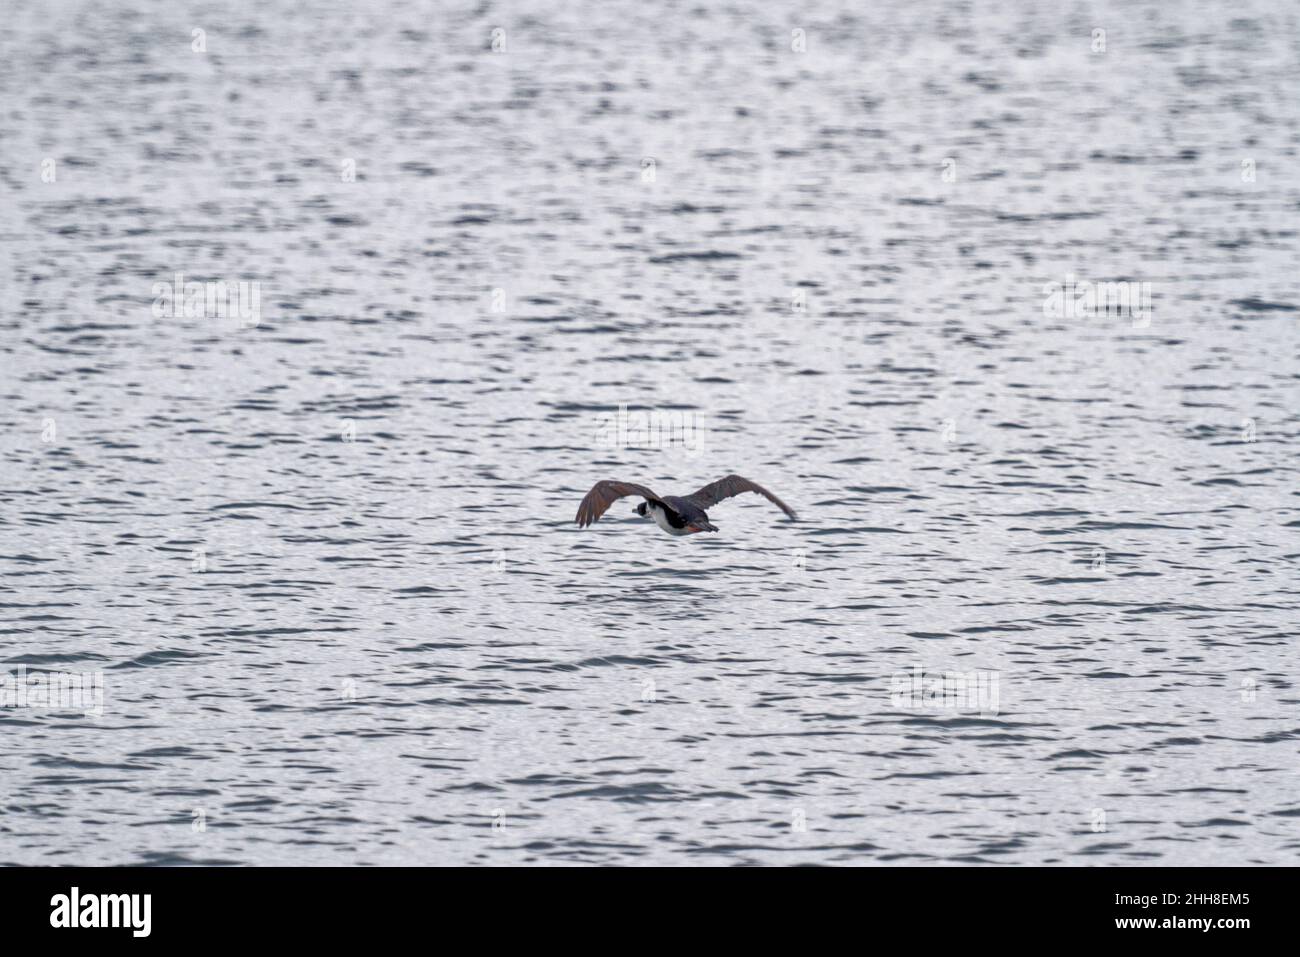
column 54, row 690
column 1081, row 299
column 957, row 690
column 102, row 910
column 208, row 300
column 649, row 430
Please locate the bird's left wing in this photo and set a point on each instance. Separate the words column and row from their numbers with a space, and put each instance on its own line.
column 604, row 494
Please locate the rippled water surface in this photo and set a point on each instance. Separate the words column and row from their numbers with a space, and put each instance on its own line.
column 325, row 561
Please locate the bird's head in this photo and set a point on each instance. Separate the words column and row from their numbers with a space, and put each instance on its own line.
column 641, row 509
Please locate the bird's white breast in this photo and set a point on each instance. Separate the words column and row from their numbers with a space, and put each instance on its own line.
column 661, row 519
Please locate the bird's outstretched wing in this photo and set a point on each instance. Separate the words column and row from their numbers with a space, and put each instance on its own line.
column 605, row 494
column 715, row 492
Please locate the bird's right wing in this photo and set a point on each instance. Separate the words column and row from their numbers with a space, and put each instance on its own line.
column 604, row 494
column 715, row 492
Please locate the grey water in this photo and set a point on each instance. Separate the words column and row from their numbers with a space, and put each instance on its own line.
column 317, row 559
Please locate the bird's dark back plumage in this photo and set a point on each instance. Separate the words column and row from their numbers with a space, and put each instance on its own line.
column 684, row 507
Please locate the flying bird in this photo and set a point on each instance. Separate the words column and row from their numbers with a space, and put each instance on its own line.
column 676, row 515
